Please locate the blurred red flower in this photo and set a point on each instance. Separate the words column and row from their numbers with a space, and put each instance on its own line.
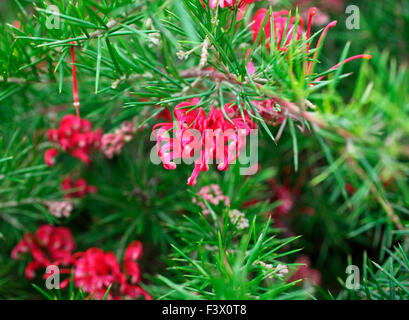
column 48, row 246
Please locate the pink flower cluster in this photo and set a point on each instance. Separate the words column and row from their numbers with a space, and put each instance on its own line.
column 95, row 270
column 78, row 189
column 212, row 194
column 194, row 131
column 112, row 143
column 48, row 246
column 59, row 209
column 75, row 136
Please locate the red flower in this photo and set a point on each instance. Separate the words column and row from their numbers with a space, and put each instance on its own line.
column 31, row 268
column 132, row 254
column 305, row 272
column 82, row 155
column 165, row 114
column 221, row 3
column 95, row 270
column 131, row 292
column 132, row 269
column 134, row 251
column 284, row 195
column 52, row 135
column 49, row 246
column 269, row 112
column 195, row 132
column 281, row 20
column 331, row 5
column 80, row 186
column 49, row 156
column 75, row 136
column 229, row 3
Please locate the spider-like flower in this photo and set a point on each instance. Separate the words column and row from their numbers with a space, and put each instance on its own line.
column 48, row 246
column 202, row 138
column 285, row 27
column 75, row 136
